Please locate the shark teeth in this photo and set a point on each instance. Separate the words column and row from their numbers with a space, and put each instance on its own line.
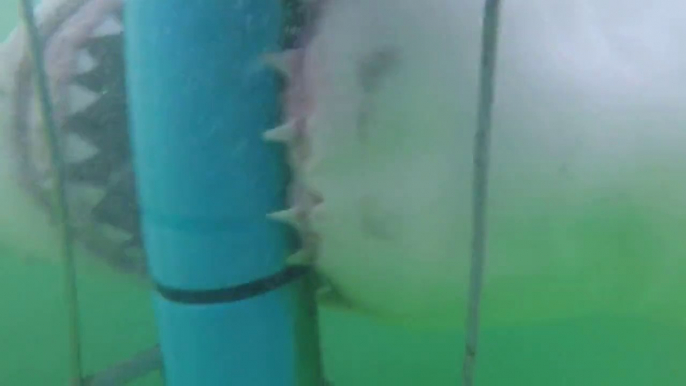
column 281, row 134
column 306, row 203
column 87, row 193
column 282, row 62
column 78, row 149
column 300, row 258
column 121, row 236
column 110, row 26
column 84, row 62
column 288, row 216
column 80, row 98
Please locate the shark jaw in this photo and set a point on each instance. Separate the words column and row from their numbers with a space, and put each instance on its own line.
column 379, row 124
column 83, row 51
column 380, row 108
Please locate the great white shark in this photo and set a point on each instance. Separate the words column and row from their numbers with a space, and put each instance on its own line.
column 587, row 209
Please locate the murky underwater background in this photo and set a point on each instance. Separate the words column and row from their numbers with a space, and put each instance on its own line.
column 117, row 322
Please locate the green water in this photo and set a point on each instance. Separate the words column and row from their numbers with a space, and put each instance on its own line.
column 117, row 322
column 575, row 352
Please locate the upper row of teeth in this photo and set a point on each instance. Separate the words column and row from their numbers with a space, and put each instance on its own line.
column 81, row 98
column 77, row 148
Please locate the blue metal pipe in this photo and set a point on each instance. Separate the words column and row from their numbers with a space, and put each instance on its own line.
column 199, row 101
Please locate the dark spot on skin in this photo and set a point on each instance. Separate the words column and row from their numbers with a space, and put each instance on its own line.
column 370, row 72
column 374, row 66
column 377, row 221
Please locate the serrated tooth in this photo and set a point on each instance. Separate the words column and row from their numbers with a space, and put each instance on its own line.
column 109, row 26
column 299, row 258
column 84, row 62
column 134, row 253
column 84, row 198
column 77, row 149
column 80, row 98
column 281, row 61
column 91, row 195
column 115, row 234
column 288, row 216
column 282, row 134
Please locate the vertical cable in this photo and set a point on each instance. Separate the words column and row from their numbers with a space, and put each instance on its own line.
column 58, row 189
column 489, row 40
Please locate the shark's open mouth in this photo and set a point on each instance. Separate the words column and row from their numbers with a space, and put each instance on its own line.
column 85, row 65
column 84, row 60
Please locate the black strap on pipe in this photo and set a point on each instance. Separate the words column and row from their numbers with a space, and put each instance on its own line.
column 235, row 293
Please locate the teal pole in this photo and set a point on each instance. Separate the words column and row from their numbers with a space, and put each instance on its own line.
column 199, row 102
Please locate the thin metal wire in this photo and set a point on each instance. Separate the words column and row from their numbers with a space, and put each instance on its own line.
column 489, row 45
column 58, row 189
